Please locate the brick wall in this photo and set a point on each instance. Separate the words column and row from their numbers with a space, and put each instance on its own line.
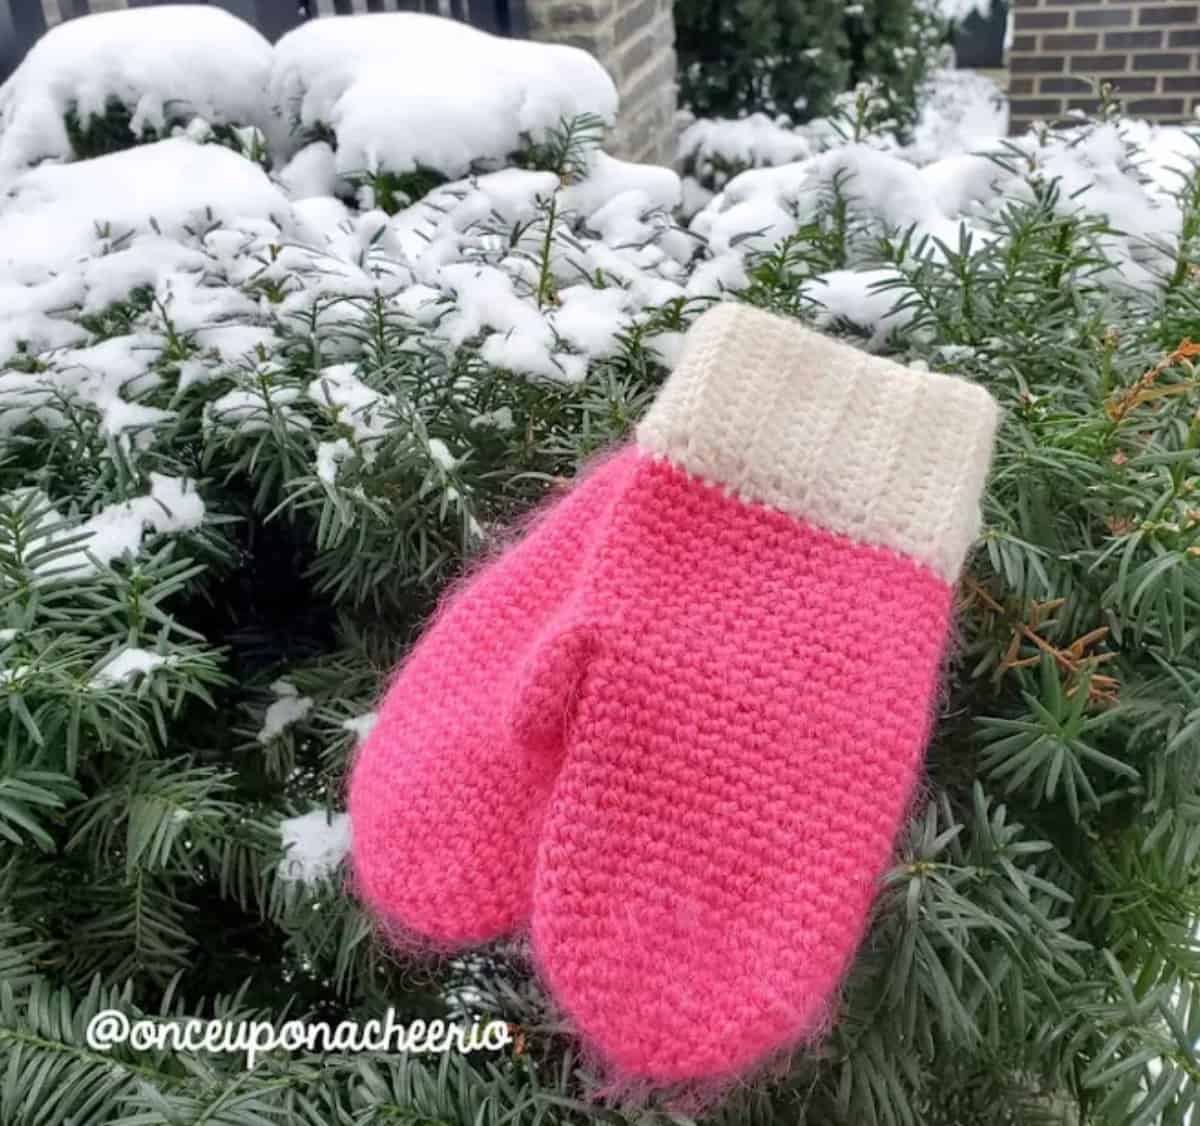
column 635, row 40
column 1148, row 49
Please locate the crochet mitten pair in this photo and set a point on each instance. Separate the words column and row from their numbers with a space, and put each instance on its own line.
column 673, row 729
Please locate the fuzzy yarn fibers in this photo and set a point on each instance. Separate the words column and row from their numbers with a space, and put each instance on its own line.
column 685, row 762
column 445, row 807
column 748, row 673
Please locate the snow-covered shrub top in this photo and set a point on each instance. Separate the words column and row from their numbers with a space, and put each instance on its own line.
column 129, row 280
column 395, row 91
column 959, row 111
column 401, row 91
column 712, row 149
column 883, row 194
column 161, row 64
column 214, row 273
column 536, row 273
column 56, row 214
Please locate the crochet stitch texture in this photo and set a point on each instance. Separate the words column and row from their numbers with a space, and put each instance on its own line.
column 445, row 809
column 674, row 729
column 748, row 674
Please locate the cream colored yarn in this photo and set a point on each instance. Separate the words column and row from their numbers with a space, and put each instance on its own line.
column 815, row 427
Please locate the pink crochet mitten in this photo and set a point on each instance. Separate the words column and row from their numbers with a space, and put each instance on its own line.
column 444, row 810
column 745, row 685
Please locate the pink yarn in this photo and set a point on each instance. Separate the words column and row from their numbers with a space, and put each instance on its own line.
column 675, row 727
column 753, row 699
column 445, row 810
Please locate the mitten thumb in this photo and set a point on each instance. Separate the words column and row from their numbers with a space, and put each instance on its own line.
column 547, row 689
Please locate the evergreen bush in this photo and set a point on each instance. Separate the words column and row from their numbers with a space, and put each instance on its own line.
column 794, row 57
column 205, row 579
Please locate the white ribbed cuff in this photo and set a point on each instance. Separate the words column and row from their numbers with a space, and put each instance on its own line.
column 853, row 443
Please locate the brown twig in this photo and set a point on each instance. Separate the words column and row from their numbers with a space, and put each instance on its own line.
column 1145, row 389
column 1074, row 660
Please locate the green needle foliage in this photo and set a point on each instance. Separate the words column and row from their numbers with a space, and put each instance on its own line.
column 795, row 57
column 1032, row 955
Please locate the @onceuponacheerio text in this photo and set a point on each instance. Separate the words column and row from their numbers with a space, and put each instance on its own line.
column 111, row 1027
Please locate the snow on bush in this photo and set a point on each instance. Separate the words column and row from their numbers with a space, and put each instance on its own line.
column 177, row 284
column 391, row 103
column 213, row 264
column 538, row 273
column 712, row 150
column 78, row 238
column 927, row 211
column 958, row 112
column 288, row 707
column 315, row 844
column 403, row 91
column 127, row 664
column 58, row 213
column 250, row 423
column 146, row 69
column 74, row 550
